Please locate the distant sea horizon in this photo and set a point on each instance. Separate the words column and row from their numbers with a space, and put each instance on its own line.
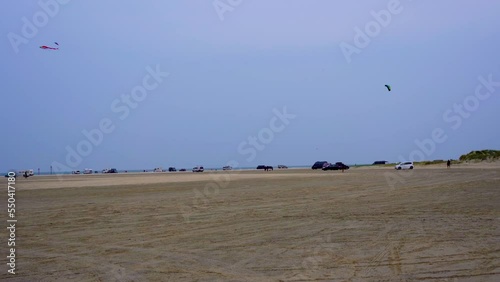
column 35, row 171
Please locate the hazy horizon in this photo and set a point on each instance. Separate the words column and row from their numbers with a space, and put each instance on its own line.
column 248, row 83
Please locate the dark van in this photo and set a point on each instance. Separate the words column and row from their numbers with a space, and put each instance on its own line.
column 319, row 165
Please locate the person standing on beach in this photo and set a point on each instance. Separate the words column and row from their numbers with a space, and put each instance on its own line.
column 448, row 164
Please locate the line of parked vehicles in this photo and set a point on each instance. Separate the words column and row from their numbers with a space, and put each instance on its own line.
column 323, row 165
column 90, row 171
column 26, row 173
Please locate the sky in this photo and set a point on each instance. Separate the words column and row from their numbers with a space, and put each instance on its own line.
column 144, row 84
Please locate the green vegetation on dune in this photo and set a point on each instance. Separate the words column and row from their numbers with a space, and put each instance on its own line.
column 475, row 156
column 481, row 155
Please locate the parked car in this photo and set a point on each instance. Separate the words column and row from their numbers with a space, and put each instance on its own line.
column 12, row 171
column 172, row 169
column 87, row 171
column 282, row 166
column 28, row 172
column 198, row 169
column 404, row 165
column 75, row 172
column 265, row 167
column 320, row 164
column 227, row 167
column 182, row 169
column 336, row 166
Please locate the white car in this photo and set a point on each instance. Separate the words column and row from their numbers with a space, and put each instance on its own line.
column 198, row 169
column 404, row 165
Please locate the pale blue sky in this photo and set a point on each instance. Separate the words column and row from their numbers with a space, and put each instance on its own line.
column 227, row 76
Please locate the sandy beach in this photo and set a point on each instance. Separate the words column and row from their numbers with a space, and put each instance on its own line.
column 366, row 224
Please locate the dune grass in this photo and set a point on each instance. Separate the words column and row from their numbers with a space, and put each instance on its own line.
column 482, row 155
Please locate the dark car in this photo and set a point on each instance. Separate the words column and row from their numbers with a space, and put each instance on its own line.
column 319, row 165
column 113, row 170
column 261, row 167
column 182, row 169
column 172, row 169
column 336, row 166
